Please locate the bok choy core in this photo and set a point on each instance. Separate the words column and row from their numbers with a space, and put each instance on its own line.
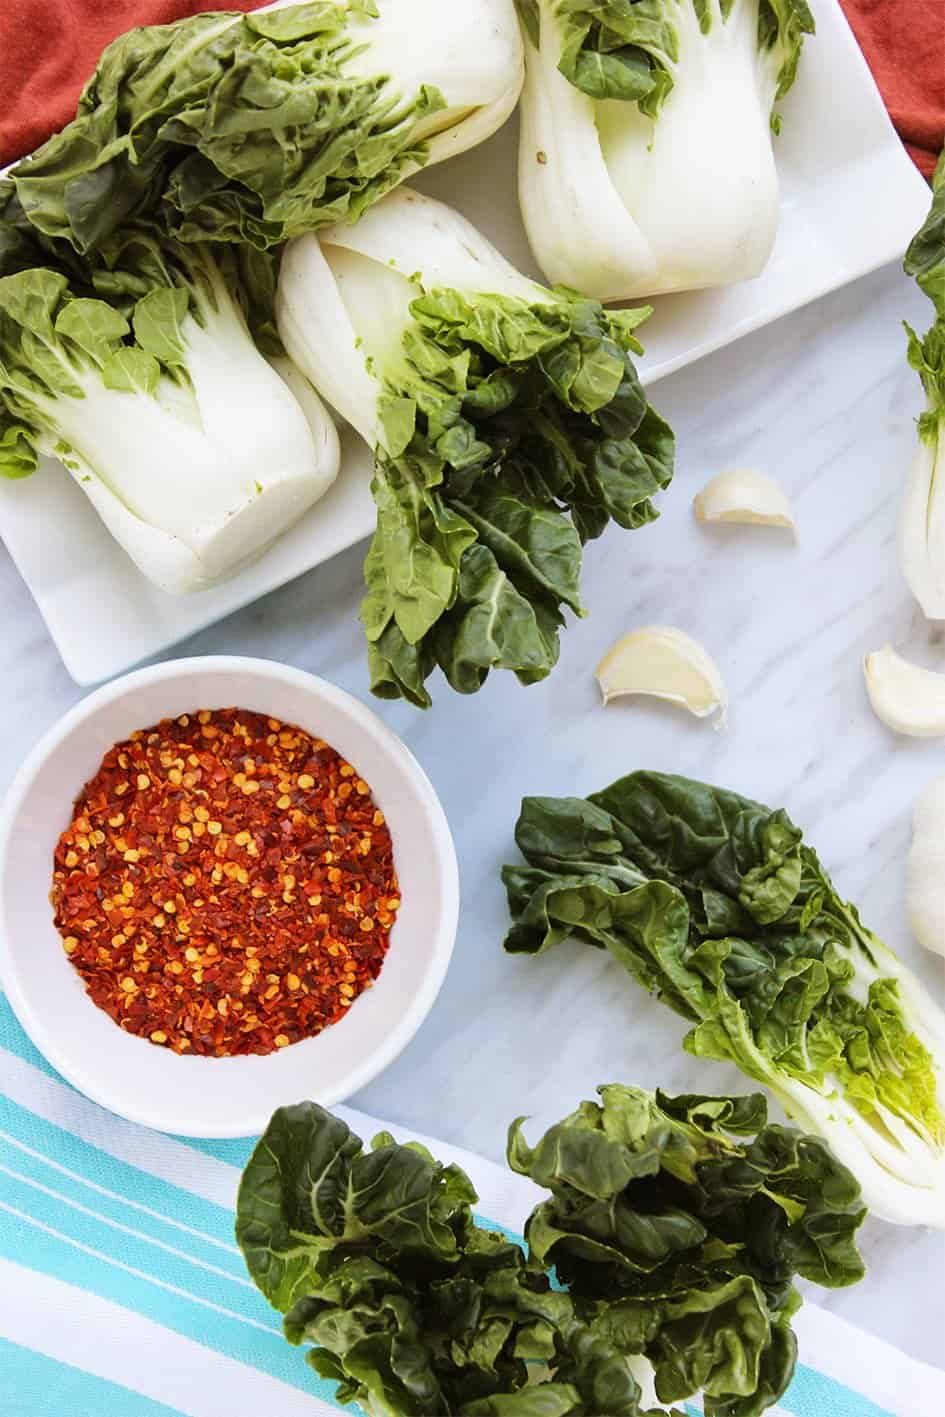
column 922, row 520
column 258, row 127
column 509, row 425
column 717, row 906
column 646, row 160
column 140, row 374
column 676, row 1242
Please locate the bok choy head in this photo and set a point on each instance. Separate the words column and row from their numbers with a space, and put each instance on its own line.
column 510, row 427
column 646, row 159
column 716, row 905
column 258, row 127
column 140, row 374
column 684, row 1221
column 922, row 518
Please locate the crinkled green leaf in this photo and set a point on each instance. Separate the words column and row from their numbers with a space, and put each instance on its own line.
column 491, row 626
column 157, row 324
column 131, row 371
column 309, row 1189
column 96, row 328
column 240, row 128
column 925, row 258
column 527, row 422
column 17, row 453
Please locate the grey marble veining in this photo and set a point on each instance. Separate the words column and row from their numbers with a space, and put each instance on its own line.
column 824, row 402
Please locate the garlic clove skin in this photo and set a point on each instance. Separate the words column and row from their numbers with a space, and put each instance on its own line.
column 907, row 698
column 925, row 884
column 746, row 496
column 661, row 662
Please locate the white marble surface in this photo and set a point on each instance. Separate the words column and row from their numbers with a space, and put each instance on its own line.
column 823, row 400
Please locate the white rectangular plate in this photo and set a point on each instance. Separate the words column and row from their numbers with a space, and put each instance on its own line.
column 851, row 199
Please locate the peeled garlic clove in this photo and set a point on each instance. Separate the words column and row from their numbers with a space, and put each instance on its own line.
column 663, row 663
column 925, row 888
column 743, row 495
column 907, row 698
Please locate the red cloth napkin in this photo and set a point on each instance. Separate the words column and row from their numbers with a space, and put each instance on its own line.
column 48, row 48
column 904, row 42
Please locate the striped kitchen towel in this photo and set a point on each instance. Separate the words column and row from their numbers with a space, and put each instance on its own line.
column 123, row 1294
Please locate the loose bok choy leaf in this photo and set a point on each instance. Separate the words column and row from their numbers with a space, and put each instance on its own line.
column 717, row 906
column 257, row 127
column 678, row 1245
column 140, row 374
column 922, row 518
column 509, row 425
column 646, row 160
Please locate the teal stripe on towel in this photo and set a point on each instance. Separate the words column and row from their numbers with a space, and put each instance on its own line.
column 248, row 1341
column 34, row 1383
column 64, row 1162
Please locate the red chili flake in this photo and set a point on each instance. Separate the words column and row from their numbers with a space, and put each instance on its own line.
column 226, row 884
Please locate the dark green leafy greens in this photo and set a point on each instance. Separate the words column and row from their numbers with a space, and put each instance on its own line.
column 715, row 904
column 248, row 128
column 678, row 1246
column 688, row 1241
column 375, row 1259
column 515, row 432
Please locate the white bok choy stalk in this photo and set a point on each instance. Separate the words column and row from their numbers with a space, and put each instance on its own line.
column 143, row 379
column 259, row 127
column 646, row 161
column 925, row 889
column 509, row 426
column 922, row 519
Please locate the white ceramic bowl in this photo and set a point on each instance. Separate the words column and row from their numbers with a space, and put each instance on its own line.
column 219, row 1097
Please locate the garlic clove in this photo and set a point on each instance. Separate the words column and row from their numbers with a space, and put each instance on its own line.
column 925, row 887
column 743, row 495
column 906, row 697
column 663, row 663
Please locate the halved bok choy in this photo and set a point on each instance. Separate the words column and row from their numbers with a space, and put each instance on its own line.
column 509, row 425
column 141, row 376
column 646, row 161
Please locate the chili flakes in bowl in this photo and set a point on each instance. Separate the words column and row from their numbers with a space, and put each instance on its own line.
column 226, row 884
